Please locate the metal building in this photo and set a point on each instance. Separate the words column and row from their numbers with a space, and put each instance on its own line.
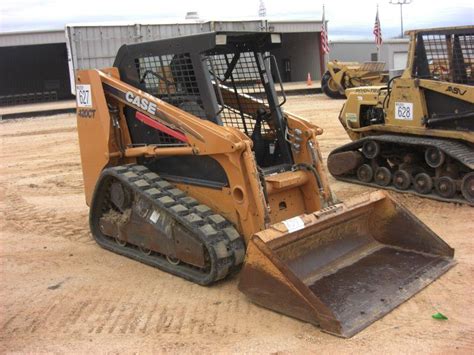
column 33, row 67
column 95, row 46
column 40, row 65
column 393, row 52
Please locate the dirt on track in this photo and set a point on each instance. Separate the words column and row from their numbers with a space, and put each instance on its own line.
column 60, row 292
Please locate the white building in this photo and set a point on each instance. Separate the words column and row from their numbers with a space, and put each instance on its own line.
column 393, row 52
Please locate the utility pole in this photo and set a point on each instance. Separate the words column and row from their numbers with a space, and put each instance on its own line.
column 401, row 3
column 262, row 10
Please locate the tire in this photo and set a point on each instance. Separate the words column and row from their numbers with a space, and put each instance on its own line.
column 329, row 87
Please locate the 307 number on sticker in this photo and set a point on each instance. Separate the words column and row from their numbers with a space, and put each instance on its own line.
column 404, row 111
column 83, row 96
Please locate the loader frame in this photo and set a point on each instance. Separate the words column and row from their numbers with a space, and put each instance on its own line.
column 212, row 155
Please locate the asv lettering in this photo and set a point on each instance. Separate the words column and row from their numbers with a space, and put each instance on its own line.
column 141, row 102
column 456, row 90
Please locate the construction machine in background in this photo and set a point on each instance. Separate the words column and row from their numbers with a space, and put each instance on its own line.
column 345, row 75
column 191, row 165
column 417, row 133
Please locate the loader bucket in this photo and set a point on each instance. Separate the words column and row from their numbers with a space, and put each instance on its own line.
column 347, row 266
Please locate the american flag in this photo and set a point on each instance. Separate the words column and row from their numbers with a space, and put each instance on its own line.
column 377, row 30
column 324, row 36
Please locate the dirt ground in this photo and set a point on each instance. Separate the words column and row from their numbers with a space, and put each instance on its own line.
column 60, row 292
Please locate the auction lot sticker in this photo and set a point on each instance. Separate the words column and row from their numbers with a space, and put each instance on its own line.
column 83, row 96
column 294, row 224
column 404, row 111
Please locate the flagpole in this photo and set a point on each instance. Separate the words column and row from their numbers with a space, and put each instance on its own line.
column 323, row 45
column 378, row 47
column 377, row 33
column 326, row 55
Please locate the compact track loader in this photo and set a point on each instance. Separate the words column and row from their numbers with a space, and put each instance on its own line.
column 191, row 166
column 416, row 135
column 345, row 75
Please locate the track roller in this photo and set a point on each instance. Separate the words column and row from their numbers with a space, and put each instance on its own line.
column 434, row 157
column 383, row 176
column 445, row 187
column 423, row 183
column 467, row 187
column 365, row 173
column 401, row 179
column 371, row 149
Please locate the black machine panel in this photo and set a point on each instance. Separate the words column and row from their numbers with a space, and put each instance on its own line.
column 446, row 112
column 196, row 170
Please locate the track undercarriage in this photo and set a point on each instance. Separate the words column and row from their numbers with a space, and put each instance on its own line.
column 435, row 168
column 139, row 215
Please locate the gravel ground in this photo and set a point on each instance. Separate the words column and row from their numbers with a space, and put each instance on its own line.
column 60, row 292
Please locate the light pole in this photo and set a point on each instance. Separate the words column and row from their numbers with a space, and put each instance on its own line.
column 401, row 3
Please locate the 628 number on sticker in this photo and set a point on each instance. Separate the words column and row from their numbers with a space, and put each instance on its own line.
column 83, row 96
column 404, row 111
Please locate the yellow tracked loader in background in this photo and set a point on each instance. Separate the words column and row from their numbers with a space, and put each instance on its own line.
column 416, row 134
column 345, row 75
column 190, row 165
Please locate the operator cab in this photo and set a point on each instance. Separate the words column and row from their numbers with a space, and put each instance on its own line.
column 224, row 77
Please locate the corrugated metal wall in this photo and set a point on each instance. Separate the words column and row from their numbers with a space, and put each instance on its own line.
column 10, row 39
column 361, row 51
column 96, row 46
column 294, row 26
column 92, row 46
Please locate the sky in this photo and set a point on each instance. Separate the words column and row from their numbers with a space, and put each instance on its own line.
column 346, row 18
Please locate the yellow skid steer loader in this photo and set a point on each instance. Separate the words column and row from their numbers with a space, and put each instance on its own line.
column 191, row 166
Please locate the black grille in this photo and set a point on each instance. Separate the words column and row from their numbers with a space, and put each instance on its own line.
column 172, row 79
column 238, row 84
column 236, row 78
column 446, row 57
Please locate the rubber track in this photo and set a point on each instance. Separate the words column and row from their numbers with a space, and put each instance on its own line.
column 456, row 150
column 224, row 244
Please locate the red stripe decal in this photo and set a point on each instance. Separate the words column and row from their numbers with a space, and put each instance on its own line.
column 161, row 127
